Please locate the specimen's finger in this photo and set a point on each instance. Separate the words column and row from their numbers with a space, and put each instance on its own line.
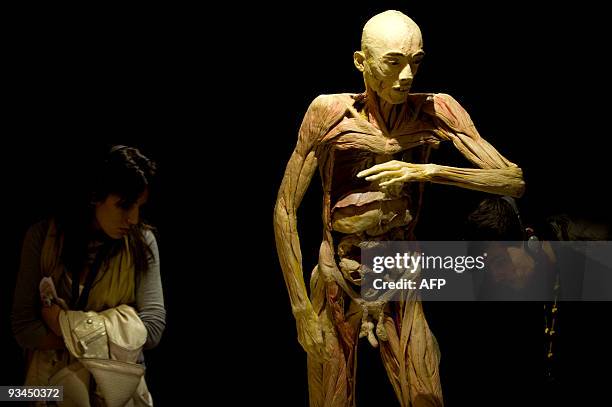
column 394, row 180
column 390, row 166
column 384, row 174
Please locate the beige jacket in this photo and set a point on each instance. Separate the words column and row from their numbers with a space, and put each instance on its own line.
column 103, row 346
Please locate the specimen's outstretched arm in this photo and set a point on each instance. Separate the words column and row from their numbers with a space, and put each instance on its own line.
column 495, row 174
column 323, row 113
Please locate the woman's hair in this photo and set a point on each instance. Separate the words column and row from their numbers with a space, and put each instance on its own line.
column 122, row 171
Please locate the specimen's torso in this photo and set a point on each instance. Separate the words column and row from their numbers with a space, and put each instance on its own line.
column 355, row 209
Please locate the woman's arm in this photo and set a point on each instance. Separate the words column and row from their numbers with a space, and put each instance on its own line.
column 28, row 327
column 150, row 296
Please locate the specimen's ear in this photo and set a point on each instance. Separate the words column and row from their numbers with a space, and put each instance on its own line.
column 359, row 59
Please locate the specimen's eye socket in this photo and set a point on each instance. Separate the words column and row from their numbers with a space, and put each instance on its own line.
column 393, row 61
column 417, row 59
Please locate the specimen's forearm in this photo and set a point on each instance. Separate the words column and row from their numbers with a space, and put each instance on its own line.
column 502, row 181
column 290, row 256
column 297, row 177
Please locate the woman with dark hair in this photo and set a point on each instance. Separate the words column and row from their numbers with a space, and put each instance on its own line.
column 88, row 297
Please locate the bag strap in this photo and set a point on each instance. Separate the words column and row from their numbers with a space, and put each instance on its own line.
column 79, row 302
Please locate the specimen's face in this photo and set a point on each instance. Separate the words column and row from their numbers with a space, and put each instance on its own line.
column 392, row 50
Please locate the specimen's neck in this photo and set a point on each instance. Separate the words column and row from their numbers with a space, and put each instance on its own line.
column 386, row 115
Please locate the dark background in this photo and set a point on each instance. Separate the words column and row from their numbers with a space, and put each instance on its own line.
column 216, row 97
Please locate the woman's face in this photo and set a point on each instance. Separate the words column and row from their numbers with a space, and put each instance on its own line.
column 114, row 218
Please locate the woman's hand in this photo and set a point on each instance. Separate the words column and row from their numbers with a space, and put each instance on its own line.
column 50, row 316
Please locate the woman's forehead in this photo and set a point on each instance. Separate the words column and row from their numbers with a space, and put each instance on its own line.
column 140, row 199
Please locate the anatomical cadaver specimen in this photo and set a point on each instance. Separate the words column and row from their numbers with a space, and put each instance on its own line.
column 372, row 151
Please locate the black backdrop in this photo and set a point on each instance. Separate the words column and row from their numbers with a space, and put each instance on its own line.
column 216, row 97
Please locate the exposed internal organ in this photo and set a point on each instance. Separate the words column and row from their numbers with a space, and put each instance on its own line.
column 372, row 213
column 366, row 216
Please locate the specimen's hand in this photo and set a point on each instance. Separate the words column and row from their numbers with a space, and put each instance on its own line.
column 310, row 335
column 398, row 171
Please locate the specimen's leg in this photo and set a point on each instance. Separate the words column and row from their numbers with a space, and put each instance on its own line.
column 411, row 356
column 332, row 383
